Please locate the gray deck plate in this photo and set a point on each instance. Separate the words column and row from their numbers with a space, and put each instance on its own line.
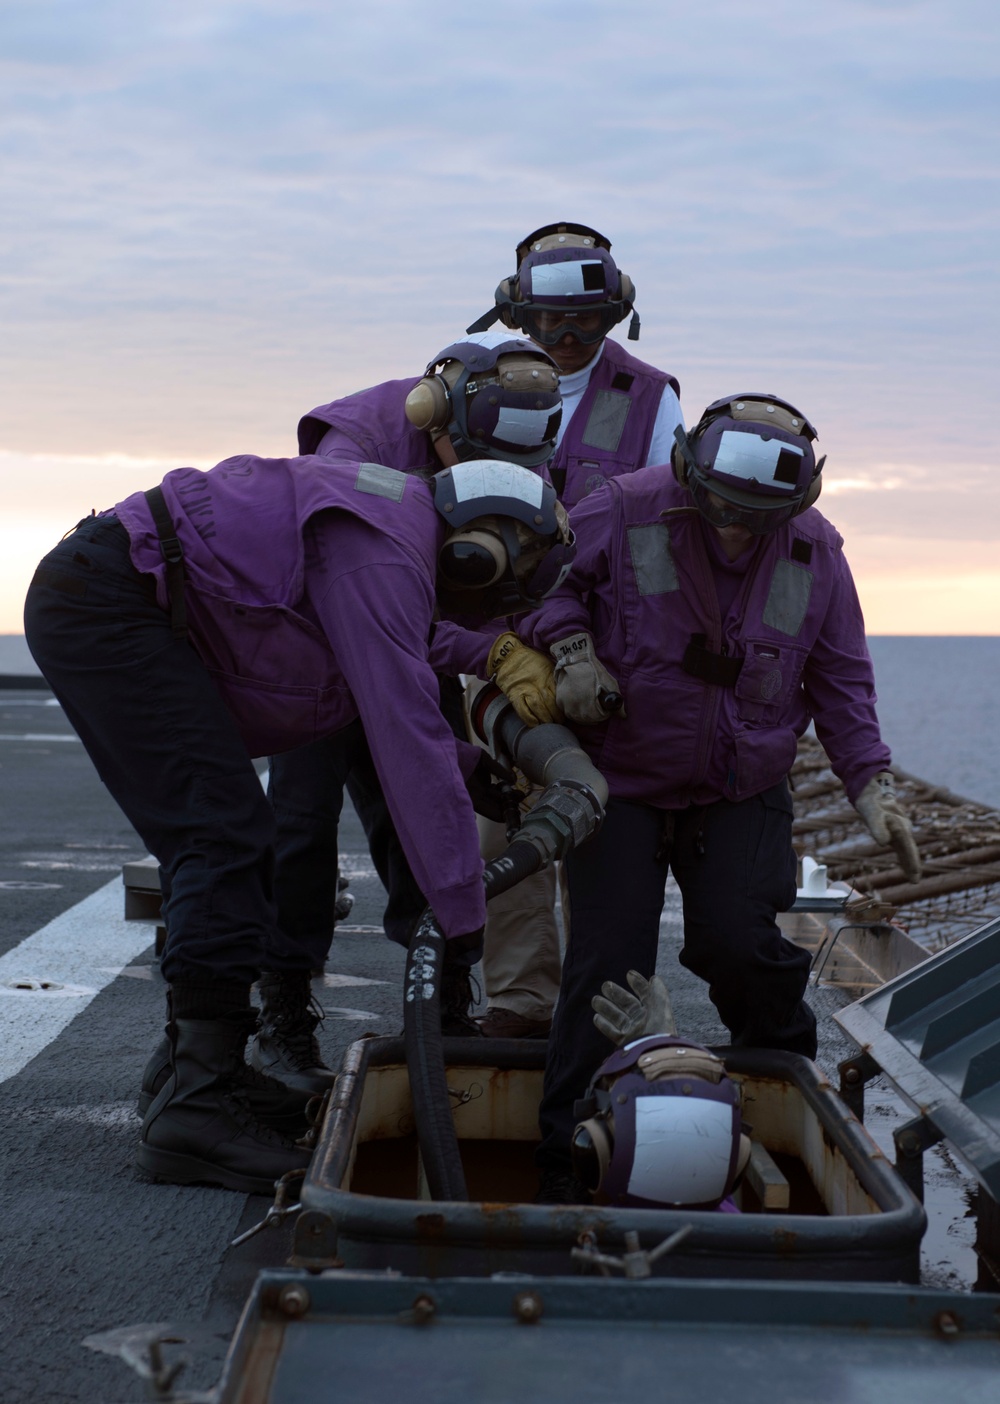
column 603, row 1341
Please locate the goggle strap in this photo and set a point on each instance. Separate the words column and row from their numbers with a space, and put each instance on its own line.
column 684, row 444
column 484, row 322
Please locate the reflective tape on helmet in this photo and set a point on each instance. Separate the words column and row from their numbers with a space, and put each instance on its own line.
column 493, row 478
column 575, row 278
column 768, row 462
column 683, row 1147
column 527, row 427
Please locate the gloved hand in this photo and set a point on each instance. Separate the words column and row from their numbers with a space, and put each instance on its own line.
column 623, row 1017
column 492, row 789
column 888, row 825
column 527, row 677
column 584, row 686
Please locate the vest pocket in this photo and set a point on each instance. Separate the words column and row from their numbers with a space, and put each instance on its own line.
column 768, row 678
column 761, row 759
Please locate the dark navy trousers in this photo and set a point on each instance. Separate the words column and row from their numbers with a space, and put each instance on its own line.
column 735, row 867
column 306, row 788
column 167, row 748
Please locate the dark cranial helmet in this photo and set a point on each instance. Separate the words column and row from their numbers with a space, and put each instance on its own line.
column 749, row 460
column 492, row 401
column 662, row 1126
column 566, row 282
column 510, row 543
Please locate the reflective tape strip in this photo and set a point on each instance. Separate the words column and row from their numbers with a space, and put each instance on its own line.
column 522, row 426
column 566, row 279
column 379, row 481
column 652, row 561
column 607, row 420
column 788, row 598
column 770, row 462
column 491, row 478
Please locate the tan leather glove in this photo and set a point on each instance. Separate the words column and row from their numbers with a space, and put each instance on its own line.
column 584, row 687
column 623, row 1017
column 527, row 677
column 888, row 825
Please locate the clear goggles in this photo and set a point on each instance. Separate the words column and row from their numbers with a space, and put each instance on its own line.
column 548, row 325
column 759, row 520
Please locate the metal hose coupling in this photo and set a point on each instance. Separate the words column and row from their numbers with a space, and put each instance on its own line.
column 568, row 813
column 571, row 807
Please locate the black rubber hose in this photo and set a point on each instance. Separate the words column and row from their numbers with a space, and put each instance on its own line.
column 425, row 1061
column 422, row 1031
column 517, row 861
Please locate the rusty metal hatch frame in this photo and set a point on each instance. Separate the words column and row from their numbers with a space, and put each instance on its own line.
column 446, row 1239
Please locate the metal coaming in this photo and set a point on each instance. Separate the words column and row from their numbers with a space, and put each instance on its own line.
column 475, row 1237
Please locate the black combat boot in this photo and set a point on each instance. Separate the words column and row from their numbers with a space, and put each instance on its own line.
column 280, row 1107
column 285, row 1046
column 456, row 1002
column 200, row 1127
column 559, row 1186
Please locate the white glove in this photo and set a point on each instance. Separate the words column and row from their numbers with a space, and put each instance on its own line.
column 888, row 825
column 583, row 684
column 623, row 1017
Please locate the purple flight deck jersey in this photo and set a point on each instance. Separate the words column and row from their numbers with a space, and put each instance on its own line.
column 647, row 582
column 612, row 426
column 372, row 425
column 310, row 598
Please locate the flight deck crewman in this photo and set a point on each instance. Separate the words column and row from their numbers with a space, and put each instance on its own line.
column 242, row 612
column 499, row 401
column 619, row 414
column 717, row 601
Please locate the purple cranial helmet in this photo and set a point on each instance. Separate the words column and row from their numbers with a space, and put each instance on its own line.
column 749, row 460
column 510, row 542
column 566, row 283
column 498, row 401
column 660, row 1125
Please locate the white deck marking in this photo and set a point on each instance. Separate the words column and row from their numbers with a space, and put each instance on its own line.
column 39, row 736
column 82, row 950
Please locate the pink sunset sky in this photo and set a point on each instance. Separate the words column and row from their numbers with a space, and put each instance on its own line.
column 216, row 215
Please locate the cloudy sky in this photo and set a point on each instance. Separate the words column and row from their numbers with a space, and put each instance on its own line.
column 215, row 214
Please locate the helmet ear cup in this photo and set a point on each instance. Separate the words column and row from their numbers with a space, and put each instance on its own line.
column 814, row 489
column 472, row 559
column 591, row 1151
column 678, row 465
column 626, row 288
column 428, row 405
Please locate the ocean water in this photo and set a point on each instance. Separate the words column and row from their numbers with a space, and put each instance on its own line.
column 939, row 707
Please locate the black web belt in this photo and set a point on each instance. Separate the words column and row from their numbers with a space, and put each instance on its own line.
column 716, row 668
column 173, row 554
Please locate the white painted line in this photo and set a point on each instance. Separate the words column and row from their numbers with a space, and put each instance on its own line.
column 82, row 950
column 337, row 981
column 39, row 736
